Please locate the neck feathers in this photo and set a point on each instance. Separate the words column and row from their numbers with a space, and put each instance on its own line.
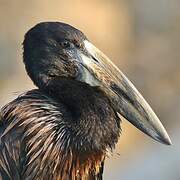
column 94, row 121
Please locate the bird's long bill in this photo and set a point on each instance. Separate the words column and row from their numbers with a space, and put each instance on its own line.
column 126, row 99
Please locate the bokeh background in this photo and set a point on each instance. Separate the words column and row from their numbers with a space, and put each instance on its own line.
column 142, row 37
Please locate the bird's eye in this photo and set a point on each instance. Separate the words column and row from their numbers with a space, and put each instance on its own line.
column 65, row 44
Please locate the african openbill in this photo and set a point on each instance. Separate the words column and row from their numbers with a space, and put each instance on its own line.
column 64, row 128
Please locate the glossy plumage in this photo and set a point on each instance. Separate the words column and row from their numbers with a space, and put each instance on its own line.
column 63, row 129
column 42, row 138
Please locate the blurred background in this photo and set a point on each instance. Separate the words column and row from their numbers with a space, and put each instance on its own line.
column 142, row 37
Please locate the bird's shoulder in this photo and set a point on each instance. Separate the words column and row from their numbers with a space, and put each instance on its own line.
column 31, row 106
column 31, row 112
column 27, row 130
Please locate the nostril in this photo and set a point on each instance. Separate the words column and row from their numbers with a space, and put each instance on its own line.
column 94, row 59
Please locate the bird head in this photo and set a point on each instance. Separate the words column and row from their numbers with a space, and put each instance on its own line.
column 54, row 50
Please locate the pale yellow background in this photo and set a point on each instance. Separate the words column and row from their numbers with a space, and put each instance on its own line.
column 142, row 37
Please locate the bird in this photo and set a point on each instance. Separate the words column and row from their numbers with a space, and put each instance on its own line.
column 65, row 127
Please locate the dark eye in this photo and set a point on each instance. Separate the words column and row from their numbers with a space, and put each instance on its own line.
column 65, row 44
column 78, row 45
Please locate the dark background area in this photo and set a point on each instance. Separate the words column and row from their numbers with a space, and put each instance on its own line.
column 142, row 37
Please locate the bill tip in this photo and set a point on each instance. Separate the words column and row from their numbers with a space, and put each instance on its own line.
column 165, row 140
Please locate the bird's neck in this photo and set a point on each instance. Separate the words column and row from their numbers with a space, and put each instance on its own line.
column 93, row 118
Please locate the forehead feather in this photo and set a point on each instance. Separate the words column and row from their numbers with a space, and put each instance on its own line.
column 56, row 31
